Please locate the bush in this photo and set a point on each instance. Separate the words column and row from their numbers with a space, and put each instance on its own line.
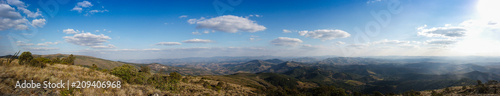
column 25, row 58
column 145, row 69
column 126, row 72
column 38, row 62
column 175, row 76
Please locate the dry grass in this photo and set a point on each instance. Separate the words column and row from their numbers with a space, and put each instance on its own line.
column 12, row 73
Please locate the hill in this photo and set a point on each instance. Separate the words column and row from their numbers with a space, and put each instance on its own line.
column 13, row 72
column 87, row 60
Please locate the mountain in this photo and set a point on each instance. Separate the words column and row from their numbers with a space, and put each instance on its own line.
column 253, row 66
column 350, row 61
column 159, row 68
column 88, row 61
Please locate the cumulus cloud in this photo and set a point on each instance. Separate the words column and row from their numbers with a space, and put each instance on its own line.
column 80, row 5
column 87, row 39
column 286, row 31
column 227, row 23
column 325, row 34
column 38, row 22
column 286, row 41
column 16, row 3
column 85, row 6
column 9, row 18
column 168, row 43
column 29, row 13
column 70, row 31
column 441, row 41
column 47, row 43
column 446, row 32
column 197, row 41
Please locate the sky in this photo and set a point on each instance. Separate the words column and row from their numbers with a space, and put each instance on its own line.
column 133, row 29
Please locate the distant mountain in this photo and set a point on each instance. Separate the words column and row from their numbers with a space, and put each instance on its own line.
column 253, row 66
column 159, row 68
column 350, row 61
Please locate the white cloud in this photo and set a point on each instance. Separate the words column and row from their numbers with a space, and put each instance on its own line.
column 325, row 34
column 109, row 46
column 84, row 4
column 358, row 46
column 196, row 33
column 80, row 5
column 286, row 31
column 40, row 48
column 183, row 16
column 228, row 23
column 286, row 41
column 385, row 41
column 372, row 1
column 47, row 43
column 38, row 22
column 29, row 13
column 96, row 11
column 168, row 43
column 16, row 3
column 22, row 43
column 76, row 8
column 206, row 31
column 441, row 41
column 9, row 18
column 197, row 41
column 70, row 31
column 87, row 39
column 339, row 43
column 446, row 32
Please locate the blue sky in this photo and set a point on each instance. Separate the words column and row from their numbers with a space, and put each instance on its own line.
column 130, row 29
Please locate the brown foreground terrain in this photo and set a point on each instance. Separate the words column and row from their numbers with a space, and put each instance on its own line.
column 13, row 72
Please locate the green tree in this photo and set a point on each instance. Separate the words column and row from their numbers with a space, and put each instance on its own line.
column 145, row 69
column 71, row 59
column 175, row 76
column 126, row 72
column 25, row 57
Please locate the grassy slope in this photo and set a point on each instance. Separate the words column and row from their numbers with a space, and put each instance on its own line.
column 88, row 61
column 10, row 74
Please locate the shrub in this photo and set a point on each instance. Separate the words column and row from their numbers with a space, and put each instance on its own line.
column 175, row 76
column 25, row 58
column 145, row 69
column 71, row 59
column 94, row 67
column 126, row 72
column 38, row 62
